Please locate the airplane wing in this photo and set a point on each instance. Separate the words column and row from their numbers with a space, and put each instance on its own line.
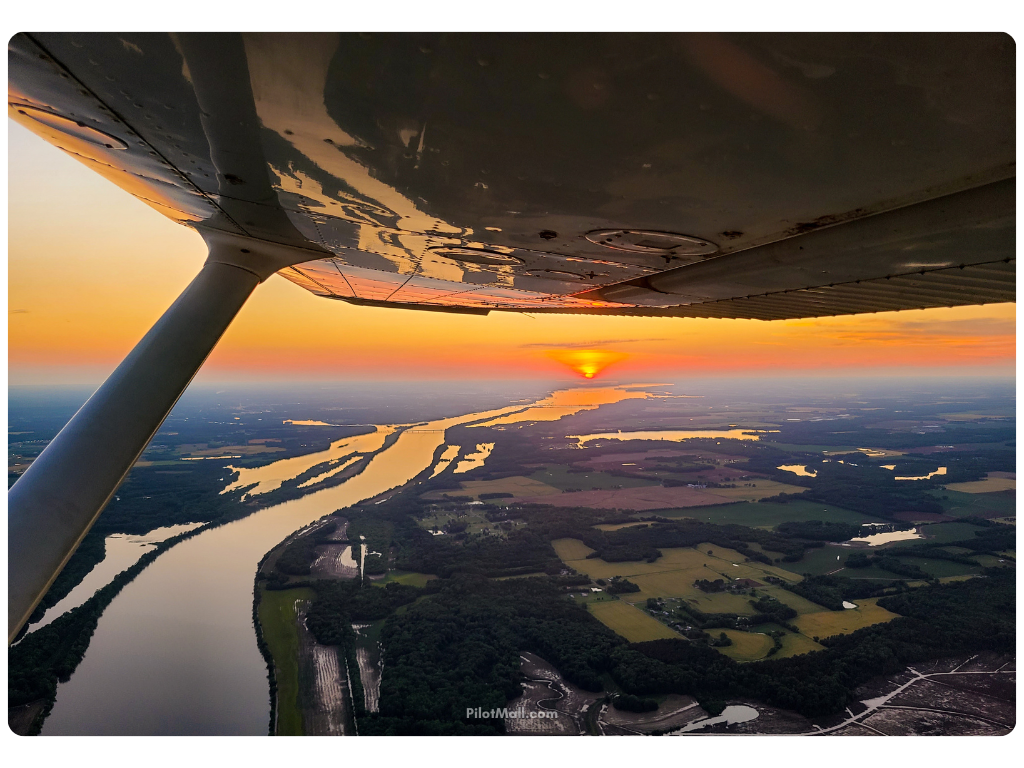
column 764, row 176
column 749, row 175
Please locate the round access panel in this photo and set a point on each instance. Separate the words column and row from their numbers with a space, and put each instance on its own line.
column 652, row 243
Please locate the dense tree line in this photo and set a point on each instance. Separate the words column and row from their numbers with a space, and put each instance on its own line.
column 460, row 648
column 523, row 551
column 339, row 603
column 298, row 556
column 619, row 585
column 378, row 535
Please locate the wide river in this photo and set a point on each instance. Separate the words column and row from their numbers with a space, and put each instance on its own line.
column 175, row 652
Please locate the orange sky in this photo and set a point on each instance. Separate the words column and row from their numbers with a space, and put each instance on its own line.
column 90, row 269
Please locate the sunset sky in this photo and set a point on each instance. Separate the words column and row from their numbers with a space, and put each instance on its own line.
column 91, row 269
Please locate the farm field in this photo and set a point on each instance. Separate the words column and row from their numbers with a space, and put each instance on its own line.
column 994, row 481
column 518, row 485
column 746, row 646
column 202, row 449
column 769, row 514
column 799, row 604
column 637, row 499
column 278, row 622
column 558, row 476
column 820, row 561
column 828, row 623
column 941, row 568
column 617, row 526
column 941, row 533
column 674, row 573
column 570, row 549
column 757, row 489
column 795, row 645
column 632, row 623
column 720, row 602
column 988, row 505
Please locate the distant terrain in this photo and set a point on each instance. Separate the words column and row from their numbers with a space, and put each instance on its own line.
column 851, row 548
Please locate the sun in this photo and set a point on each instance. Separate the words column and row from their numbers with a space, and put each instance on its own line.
column 587, row 363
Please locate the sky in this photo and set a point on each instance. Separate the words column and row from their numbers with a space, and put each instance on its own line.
column 91, row 269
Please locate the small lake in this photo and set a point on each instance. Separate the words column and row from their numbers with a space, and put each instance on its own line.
column 799, row 469
column 734, row 713
column 876, row 539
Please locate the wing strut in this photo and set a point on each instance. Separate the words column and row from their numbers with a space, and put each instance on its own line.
column 55, row 502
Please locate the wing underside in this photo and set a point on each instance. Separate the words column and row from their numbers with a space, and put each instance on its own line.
column 746, row 176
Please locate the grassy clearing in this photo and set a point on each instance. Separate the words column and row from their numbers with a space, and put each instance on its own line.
column 571, row 549
column 559, row 476
column 768, row 514
column 828, row 623
column 629, row 622
column 988, row 485
column 820, row 561
column 279, row 624
column 795, row 645
column 411, row 578
column 746, row 646
column 617, row 526
column 799, row 604
column 721, row 602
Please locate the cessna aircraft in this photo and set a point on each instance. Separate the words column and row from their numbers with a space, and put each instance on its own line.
column 683, row 175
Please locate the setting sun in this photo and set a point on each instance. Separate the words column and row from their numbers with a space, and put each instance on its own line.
column 588, row 363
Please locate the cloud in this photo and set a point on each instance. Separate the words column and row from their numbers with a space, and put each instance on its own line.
column 588, row 344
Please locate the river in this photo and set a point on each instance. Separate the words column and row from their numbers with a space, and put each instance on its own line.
column 175, row 652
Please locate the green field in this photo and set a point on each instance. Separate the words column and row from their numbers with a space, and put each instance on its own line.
column 799, row 604
column 746, row 646
column 674, row 573
column 795, row 645
column 404, row 577
column 821, row 561
column 827, row 623
column 570, row 549
column 768, row 514
column 279, row 624
column 629, row 622
column 941, row 568
column 558, row 476
column 966, row 504
column 941, row 533
column 988, row 485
